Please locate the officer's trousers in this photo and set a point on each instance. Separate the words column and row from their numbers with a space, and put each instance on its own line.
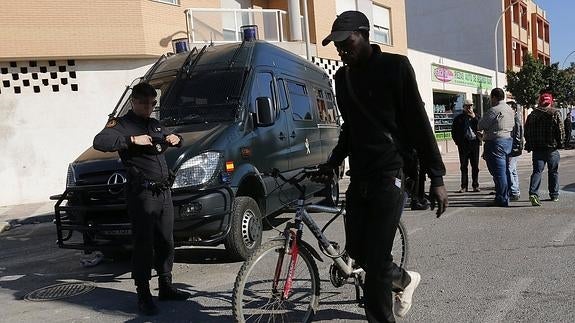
column 152, row 217
column 373, row 209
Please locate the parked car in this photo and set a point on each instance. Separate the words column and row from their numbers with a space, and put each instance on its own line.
column 241, row 109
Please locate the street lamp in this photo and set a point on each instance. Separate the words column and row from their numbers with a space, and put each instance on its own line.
column 567, row 58
column 495, row 37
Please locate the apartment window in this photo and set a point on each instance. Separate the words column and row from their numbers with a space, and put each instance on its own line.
column 523, row 13
column 523, row 53
column 175, row 2
column 345, row 5
column 546, row 32
column 515, row 13
column 381, row 25
column 516, row 54
column 539, row 29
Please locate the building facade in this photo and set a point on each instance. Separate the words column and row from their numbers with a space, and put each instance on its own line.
column 466, row 31
column 64, row 64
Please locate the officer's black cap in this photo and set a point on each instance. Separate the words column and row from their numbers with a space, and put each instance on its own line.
column 345, row 24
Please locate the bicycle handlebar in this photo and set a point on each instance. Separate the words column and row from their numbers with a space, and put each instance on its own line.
column 295, row 179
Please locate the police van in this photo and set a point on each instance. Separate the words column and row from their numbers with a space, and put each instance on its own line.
column 241, row 109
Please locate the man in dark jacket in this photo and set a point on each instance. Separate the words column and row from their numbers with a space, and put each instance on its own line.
column 141, row 142
column 464, row 133
column 544, row 134
column 383, row 116
column 516, row 150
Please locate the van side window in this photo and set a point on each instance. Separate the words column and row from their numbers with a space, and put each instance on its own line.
column 282, row 94
column 264, row 87
column 300, row 105
column 325, row 106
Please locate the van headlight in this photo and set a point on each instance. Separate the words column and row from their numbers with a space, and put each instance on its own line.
column 197, row 170
column 70, row 177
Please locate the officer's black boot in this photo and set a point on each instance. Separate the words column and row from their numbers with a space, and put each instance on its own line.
column 146, row 304
column 168, row 292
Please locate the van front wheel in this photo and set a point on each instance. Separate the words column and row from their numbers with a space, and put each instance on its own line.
column 245, row 234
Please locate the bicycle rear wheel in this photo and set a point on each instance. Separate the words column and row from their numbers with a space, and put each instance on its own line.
column 400, row 248
column 256, row 300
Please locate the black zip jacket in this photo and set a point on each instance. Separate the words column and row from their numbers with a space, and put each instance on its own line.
column 459, row 128
column 148, row 160
column 387, row 87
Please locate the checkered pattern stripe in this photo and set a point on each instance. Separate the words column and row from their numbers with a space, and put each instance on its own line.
column 30, row 77
column 330, row 66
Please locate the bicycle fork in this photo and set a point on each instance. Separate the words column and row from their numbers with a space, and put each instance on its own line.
column 293, row 253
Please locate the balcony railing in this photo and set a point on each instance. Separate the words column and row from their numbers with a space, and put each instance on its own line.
column 214, row 25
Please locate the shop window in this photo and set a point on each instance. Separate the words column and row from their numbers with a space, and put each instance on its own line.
column 445, row 107
column 381, row 25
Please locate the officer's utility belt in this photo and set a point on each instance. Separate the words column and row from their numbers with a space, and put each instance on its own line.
column 155, row 186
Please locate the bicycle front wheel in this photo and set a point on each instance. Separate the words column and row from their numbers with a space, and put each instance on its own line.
column 400, row 247
column 260, row 295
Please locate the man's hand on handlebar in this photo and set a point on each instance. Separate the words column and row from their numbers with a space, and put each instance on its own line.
column 324, row 174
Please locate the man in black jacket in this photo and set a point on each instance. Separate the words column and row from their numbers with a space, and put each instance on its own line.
column 383, row 117
column 464, row 133
column 141, row 142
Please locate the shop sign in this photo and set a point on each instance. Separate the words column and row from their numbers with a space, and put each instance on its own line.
column 455, row 76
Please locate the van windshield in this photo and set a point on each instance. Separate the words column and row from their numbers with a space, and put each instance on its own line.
column 203, row 96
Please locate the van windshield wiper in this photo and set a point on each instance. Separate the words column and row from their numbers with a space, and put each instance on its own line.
column 173, row 121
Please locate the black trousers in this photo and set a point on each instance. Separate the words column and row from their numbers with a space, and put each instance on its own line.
column 373, row 209
column 152, row 217
column 469, row 154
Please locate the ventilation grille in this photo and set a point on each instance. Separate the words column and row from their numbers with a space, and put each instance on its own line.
column 28, row 77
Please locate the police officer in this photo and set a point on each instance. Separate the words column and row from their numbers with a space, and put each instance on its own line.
column 141, row 142
column 384, row 117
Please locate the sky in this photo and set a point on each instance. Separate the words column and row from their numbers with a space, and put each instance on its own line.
column 562, row 26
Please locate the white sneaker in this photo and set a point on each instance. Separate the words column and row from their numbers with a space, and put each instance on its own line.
column 402, row 303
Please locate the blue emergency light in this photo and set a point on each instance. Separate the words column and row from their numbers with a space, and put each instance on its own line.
column 250, row 32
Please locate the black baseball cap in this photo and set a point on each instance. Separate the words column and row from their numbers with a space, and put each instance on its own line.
column 345, row 24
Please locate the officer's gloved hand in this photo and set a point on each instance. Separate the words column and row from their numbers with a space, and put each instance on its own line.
column 325, row 173
column 438, row 197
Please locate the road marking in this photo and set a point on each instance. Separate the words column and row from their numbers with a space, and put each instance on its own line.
column 564, row 234
column 504, row 306
column 10, row 278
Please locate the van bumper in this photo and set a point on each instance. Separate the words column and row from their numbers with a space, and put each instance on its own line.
column 202, row 217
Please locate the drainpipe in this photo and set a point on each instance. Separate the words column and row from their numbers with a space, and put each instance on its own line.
column 294, row 20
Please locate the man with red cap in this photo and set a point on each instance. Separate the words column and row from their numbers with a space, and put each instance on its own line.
column 544, row 134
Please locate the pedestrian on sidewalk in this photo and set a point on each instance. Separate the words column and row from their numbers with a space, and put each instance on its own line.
column 544, row 135
column 464, row 133
column 516, row 151
column 497, row 124
column 141, row 142
column 567, row 125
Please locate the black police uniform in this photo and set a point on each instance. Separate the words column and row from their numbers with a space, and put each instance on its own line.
column 148, row 192
column 387, row 89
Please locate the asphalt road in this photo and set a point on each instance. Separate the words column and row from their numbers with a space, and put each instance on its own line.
column 478, row 264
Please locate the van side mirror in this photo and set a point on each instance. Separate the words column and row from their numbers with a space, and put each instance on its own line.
column 265, row 113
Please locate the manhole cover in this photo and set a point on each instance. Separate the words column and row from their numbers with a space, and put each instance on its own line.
column 59, row 291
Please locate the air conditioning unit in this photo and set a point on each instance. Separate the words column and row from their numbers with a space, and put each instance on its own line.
column 514, row 45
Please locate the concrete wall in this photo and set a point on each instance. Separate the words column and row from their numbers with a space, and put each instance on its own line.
column 462, row 30
column 42, row 132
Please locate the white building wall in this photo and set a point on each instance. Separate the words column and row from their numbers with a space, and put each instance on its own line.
column 461, row 30
column 42, row 132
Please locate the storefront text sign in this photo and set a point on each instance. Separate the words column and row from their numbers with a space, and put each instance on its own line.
column 455, row 76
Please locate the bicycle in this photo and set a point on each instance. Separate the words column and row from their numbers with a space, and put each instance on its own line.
column 280, row 280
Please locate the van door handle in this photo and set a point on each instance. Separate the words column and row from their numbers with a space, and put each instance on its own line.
column 292, row 134
column 282, row 136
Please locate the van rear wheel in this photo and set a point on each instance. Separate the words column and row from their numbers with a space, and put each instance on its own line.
column 331, row 192
column 245, row 234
